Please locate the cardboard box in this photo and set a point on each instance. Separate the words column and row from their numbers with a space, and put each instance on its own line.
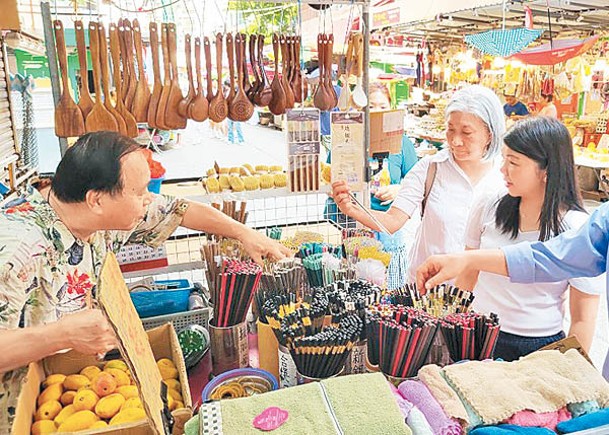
column 386, row 131
column 164, row 343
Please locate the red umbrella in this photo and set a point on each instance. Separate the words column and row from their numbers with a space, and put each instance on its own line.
column 560, row 50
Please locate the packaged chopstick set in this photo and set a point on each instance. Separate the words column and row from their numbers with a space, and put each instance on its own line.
column 304, row 149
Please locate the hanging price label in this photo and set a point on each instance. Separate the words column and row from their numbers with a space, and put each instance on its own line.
column 348, row 149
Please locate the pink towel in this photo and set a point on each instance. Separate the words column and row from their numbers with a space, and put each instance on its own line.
column 419, row 395
column 404, row 405
column 543, row 419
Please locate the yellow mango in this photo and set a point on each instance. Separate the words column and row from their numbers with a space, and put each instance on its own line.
column 80, row 420
column 133, row 402
column 67, row 398
column 116, row 364
column 173, row 384
column 43, row 426
column 175, row 395
column 85, row 400
column 90, row 372
column 171, row 404
column 128, row 415
column 120, row 376
column 180, row 405
column 53, row 379
column 52, row 392
column 99, row 425
column 128, row 391
column 75, row 382
column 48, row 410
column 64, row 414
column 168, row 372
column 109, row 406
column 165, row 362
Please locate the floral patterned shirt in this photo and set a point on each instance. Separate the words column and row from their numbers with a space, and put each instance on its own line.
column 45, row 272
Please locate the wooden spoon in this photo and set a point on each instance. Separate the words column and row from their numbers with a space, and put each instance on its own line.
column 156, row 68
column 256, row 85
column 277, row 104
column 359, row 96
column 199, row 106
column 241, row 108
column 185, row 103
column 128, row 58
column 160, row 111
column 99, row 118
column 210, row 85
column 85, row 102
column 141, row 99
column 230, row 51
column 103, row 61
column 264, row 95
column 287, row 88
column 68, row 117
column 218, row 108
column 319, row 98
column 296, row 81
column 330, row 92
column 173, row 119
column 345, row 92
column 130, row 121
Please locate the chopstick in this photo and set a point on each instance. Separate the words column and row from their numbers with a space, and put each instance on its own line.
column 370, row 215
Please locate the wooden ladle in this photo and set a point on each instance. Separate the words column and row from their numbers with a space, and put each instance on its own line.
column 156, row 68
column 105, row 73
column 130, row 121
column 160, row 113
column 199, row 106
column 264, row 95
column 285, row 73
column 277, row 104
column 230, row 52
column 208, row 68
column 173, row 119
column 320, row 98
column 330, row 92
column 218, row 108
column 141, row 99
column 241, row 108
column 99, row 118
column 69, row 121
column 256, row 85
column 85, row 102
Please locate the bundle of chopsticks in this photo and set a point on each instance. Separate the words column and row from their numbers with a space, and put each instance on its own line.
column 439, row 301
column 229, row 208
column 285, row 278
column 402, row 336
column 235, row 287
column 214, row 251
column 470, row 335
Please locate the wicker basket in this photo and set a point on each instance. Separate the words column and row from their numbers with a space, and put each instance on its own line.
column 180, row 320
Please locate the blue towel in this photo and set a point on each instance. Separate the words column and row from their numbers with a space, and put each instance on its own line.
column 583, row 408
column 509, row 429
column 588, row 421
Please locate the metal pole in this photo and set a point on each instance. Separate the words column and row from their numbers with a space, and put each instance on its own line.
column 49, row 42
column 366, row 77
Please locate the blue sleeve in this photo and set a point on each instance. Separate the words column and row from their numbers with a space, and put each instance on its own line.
column 569, row 255
column 522, row 109
column 409, row 155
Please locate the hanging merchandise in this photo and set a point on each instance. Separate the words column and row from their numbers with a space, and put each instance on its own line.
column 504, row 42
column 240, row 108
column 348, row 163
column 185, row 103
column 141, row 99
column 303, row 150
column 85, row 102
column 278, row 102
column 263, row 94
column 547, row 86
column 557, row 51
column 128, row 118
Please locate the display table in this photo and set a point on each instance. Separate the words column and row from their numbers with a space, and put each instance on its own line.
column 597, row 167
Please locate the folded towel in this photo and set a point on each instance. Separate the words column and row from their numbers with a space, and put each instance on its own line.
column 510, row 429
column 543, row 419
column 192, row 426
column 543, row 381
column 418, row 423
column 588, row 421
column 419, row 395
column 432, row 377
column 583, row 408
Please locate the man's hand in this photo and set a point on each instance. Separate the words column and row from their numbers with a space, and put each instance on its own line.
column 388, row 193
column 340, row 193
column 438, row 269
column 88, row 332
column 259, row 246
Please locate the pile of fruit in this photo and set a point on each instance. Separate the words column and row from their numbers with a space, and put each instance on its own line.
column 592, row 152
column 245, row 177
column 98, row 397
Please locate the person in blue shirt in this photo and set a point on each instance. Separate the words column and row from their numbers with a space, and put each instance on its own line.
column 399, row 165
column 514, row 108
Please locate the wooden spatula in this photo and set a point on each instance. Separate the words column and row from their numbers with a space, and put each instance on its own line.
column 85, row 102
column 99, row 118
column 172, row 117
column 160, row 111
column 128, row 59
column 141, row 98
column 156, row 69
column 116, row 62
column 68, row 117
column 103, row 60
column 183, row 106
column 199, row 106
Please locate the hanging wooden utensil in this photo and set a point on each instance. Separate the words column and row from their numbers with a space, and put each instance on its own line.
column 332, row 97
column 256, row 85
column 185, row 103
column 345, row 92
column 359, row 96
column 123, row 50
column 296, row 81
column 172, row 118
column 130, row 122
column 287, row 88
column 241, row 109
column 218, row 108
column 291, row 62
column 69, row 121
column 208, row 68
column 319, row 98
column 85, row 102
column 156, row 69
column 264, row 95
column 128, row 59
column 199, row 106
column 141, row 99
column 104, row 64
column 230, row 51
column 160, row 111
column 247, row 85
column 99, row 118
column 277, row 104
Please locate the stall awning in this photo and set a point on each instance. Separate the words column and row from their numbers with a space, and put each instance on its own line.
column 561, row 50
column 427, row 10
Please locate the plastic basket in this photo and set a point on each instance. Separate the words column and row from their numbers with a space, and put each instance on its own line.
column 180, row 320
column 173, row 298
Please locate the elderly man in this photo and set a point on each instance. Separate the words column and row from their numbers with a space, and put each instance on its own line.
column 53, row 243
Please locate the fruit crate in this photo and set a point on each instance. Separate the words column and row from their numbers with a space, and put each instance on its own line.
column 180, row 320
